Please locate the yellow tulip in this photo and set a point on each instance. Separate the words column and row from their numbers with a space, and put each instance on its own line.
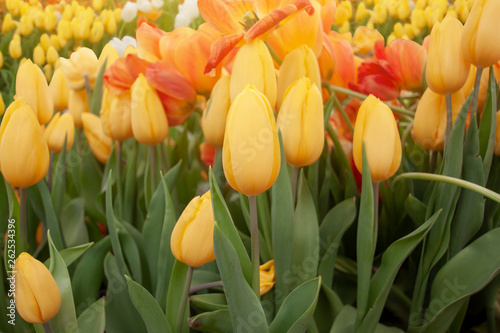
column 64, row 29
column 24, row 156
column 215, row 114
column 25, row 25
column 45, row 42
column 192, row 238
column 301, row 123
column 447, row 69
column 38, row 56
column 37, row 295
column 480, row 36
column 110, row 25
column 31, row 85
column 253, row 64
column 361, row 12
column 78, row 105
column 429, row 125
column 116, row 114
column 2, row 105
column 404, row 10
column 299, row 63
column 52, row 55
column 96, row 32
column 97, row 4
column 15, row 47
column 59, row 90
column 50, row 20
column 266, row 277
column 1, row 60
column 251, row 152
column 109, row 54
column 99, row 142
column 149, row 121
column 48, row 71
column 377, row 128
column 7, row 24
column 60, row 127
column 82, row 64
column 364, row 39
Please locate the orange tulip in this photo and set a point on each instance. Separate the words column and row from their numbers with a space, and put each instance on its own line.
column 148, row 42
column 121, row 75
column 326, row 60
column 344, row 63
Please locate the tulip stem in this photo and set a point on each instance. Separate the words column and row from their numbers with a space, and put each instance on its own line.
column 118, row 175
column 22, row 219
column 477, row 84
column 254, row 234
column 88, row 88
column 49, row 173
column 46, row 327
column 274, row 55
column 152, row 166
column 184, row 299
column 342, row 112
column 204, row 286
column 295, row 177
column 432, row 160
column 449, row 117
column 375, row 187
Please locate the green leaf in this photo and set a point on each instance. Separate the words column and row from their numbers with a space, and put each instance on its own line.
column 174, row 296
column 150, row 310
column 71, row 254
column 212, row 322
column 88, row 175
column 93, row 320
column 65, row 319
column 415, row 209
column 297, row 309
column 52, row 223
column 73, row 229
column 209, row 302
column 226, row 225
column 130, row 183
column 59, row 179
column 96, row 101
column 487, row 128
column 244, row 306
column 344, row 323
column 130, row 251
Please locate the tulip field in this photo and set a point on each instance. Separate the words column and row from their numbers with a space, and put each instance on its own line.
column 243, row 166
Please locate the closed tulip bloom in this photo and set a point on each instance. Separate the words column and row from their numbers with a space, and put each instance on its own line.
column 15, row 47
column 253, row 64
column 52, row 55
column 429, row 125
column 301, row 123
column 364, row 39
column 192, row 240
column 24, row 156
column 59, row 90
column 99, row 142
column 215, row 114
column 78, row 104
column 37, row 295
column 299, row 63
column 149, row 122
column 377, row 128
column 38, row 55
column 32, row 86
column 81, row 64
column 251, row 151
column 116, row 114
column 480, row 35
column 61, row 127
column 96, row 32
column 108, row 54
column 447, row 69
column 266, row 277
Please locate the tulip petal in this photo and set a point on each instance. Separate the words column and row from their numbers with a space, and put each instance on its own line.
column 220, row 48
column 148, row 42
column 221, row 14
column 165, row 78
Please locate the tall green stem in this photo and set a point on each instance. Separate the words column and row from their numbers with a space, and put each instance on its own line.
column 184, row 299
column 152, row 166
column 449, row 118
column 46, row 327
column 254, row 234
column 119, row 196
column 49, row 173
column 22, row 219
column 295, row 177
column 477, row 84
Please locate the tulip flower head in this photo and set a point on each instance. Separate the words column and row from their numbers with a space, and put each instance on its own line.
column 59, row 90
column 61, row 127
column 82, row 65
column 266, row 277
column 192, row 238
column 78, row 104
column 377, row 128
column 116, row 114
column 251, row 152
column 37, row 295
column 215, row 114
column 99, row 142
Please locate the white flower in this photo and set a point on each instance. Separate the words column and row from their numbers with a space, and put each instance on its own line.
column 121, row 45
column 157, row 3
column 187, row 13
column 144, row 6
column 129, row 11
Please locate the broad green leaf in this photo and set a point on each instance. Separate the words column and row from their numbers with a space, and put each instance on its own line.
column 130, row 251
column 212, row 322
column 129, row 194
column 297, row 309
column 244, row 307
column 209, row 302
column 345, row 321
column 65, row 319
column 487, row 128
column 59, row 180
column 71, row 254
column 226, row 225
column 51, row 220
column 150, row 310
column 415, row 209
column 96, row 100
column 174, row 296
column 88, row 175
column 93, row 320
column 73, row 223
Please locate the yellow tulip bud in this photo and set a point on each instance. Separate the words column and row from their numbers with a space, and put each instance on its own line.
column 97, row 4
column 12, row 6
column 48, row 70
column 52, row 55
column 117, row 13
column 266, row 277
column 447, row 69
column 480, row 35
column 361, row 12
column 64, row 29
column 50, row 21
column 78, row 105
column 67, row 13
column 404, row 10
column 99, row 143
column 7, row 23
column 341, row 15
column 116, row 115
column 25, row 25
column 1, row 60
column 110, row 25
column 96, row 32
column 429, row 125
column 45, row 42
column 377, row 128
column 61, row 127
column 251, row 152
column 15, row 47
column 59, row 90
column 55, row 42
column 421, row 4
column 299, row 63
column 38, row 55
column 81, row 65
column 192, row 238
column 301, row 123
column 409, row 31
column 24, row 156
column 37, row 295
column 253, row 64
column 109, row 54
column 149, row 122
column 418, row 19
column 38, row 17
column 32, row 86
column 215, row 114
column 2, row 105
column 364, row 39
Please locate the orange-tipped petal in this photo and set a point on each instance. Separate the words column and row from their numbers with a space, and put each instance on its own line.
column 169, row 42
column 135, row 65
column 220, row 48
column 177, row 110
column 120, row 76
column 163, row 77
column 148, row 42
column 222, row 15
column 408, row 60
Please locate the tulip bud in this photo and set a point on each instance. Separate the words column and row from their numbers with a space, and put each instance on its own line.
column 251, row 152
column 64, row 29
column 377, row 128
column 97, row 4
column 299, row 63
column 253, row 64
column 50, row 20
column 215, row 114
column 38, row 56
column 446, row 70
column 32, row 85
column 96, row 32
column 82, row 63
column 108, row 54
column 361, row 12
column 266, row 277
column 15, row 47
column 429, row 125
column 99, row 143
column 37, row 295
column 26, row 25
column 149, row 122
column 192, row 238
column 1, row 60
column 78, row 104
column 301, row 123
column 497, row 136
column 110, row 25
column 60, row 127
column 115, row 115
column 480, row 36
column 59, row 90
column 24, row 156
column 7, row 23
column 364, row 39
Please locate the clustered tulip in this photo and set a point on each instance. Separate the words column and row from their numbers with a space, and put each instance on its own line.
column 215, row 114
column 116, row 115
column 59, row 90
column 61, row 127
column 99, row 142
